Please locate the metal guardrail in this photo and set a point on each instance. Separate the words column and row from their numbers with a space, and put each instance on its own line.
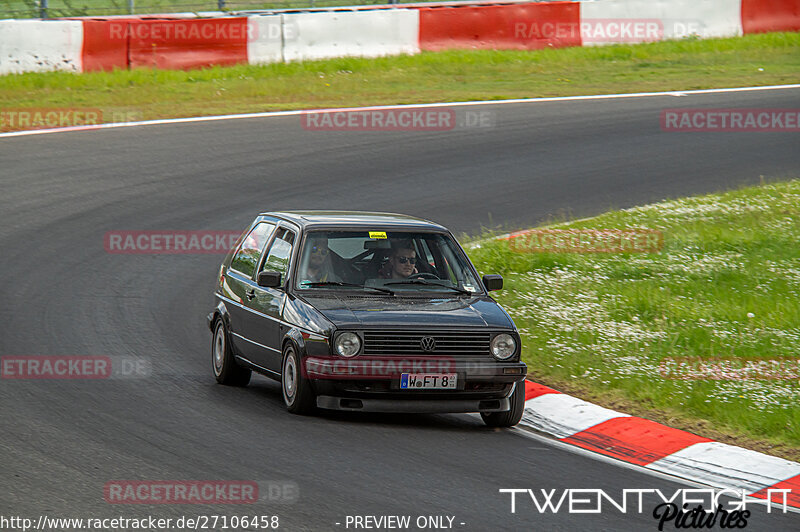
column 23, row 9
column 81, row 8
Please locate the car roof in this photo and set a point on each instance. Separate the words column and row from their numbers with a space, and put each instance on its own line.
column 358, row 219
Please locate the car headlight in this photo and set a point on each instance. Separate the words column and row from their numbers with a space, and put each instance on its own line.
column 347, row 344
column 503, row 346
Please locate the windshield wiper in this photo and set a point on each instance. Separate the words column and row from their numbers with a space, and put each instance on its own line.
column 340, row 283
column 427, row 283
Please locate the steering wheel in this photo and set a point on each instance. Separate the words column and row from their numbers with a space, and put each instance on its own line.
column 423, row 275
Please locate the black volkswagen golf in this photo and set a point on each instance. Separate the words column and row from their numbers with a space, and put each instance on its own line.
column 369, row 312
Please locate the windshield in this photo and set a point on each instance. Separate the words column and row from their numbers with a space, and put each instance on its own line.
column 399, row 261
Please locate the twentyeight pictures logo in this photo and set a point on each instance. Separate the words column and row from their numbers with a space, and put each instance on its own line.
column 682, row 508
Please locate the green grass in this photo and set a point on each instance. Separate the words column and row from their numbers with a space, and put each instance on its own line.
column 726, row 284
column 764, row 59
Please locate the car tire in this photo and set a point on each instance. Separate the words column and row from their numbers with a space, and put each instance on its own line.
column 226, row 369
column 513, row 415
column 297, row 393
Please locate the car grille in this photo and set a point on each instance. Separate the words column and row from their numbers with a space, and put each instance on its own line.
column 410, row 343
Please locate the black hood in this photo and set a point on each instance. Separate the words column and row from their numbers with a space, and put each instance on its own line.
column 368, row 312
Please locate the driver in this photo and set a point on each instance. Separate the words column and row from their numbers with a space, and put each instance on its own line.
column 318, row 262
column 402, row 261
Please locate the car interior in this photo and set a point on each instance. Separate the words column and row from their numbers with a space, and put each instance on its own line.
column 367, row 264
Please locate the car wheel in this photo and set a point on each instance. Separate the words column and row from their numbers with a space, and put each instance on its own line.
column 226, row 370
column 513, row 415
column 297, row 393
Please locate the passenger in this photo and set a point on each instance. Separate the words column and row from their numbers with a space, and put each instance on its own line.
column 402, row 260
column 319, row 268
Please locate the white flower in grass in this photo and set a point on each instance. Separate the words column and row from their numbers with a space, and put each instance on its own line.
column 751, row 315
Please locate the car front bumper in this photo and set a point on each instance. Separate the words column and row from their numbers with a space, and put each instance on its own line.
column 359, row 385
column 415, row 406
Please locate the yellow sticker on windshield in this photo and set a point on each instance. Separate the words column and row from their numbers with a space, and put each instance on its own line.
column 377, row 234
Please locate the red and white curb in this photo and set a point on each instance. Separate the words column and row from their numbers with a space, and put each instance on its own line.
column 659, row 448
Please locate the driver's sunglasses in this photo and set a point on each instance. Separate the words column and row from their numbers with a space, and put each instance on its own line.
column 322, row 250
column 403, row 260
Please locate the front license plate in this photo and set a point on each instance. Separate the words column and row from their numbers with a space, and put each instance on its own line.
column 421, row 381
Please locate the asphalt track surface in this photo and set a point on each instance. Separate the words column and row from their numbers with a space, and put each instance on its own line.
column 61, row 441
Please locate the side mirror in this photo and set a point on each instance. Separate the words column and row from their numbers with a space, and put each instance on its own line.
column 269, row 279
column 493, row 282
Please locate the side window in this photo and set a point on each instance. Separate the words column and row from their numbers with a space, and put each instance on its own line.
column 246, row 258
column 279, row 253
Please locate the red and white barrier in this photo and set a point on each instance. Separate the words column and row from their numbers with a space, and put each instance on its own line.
column 657, row 447
column 37, row 46
column 631, row 21
column 101, row 50
column 163, row 43
column 506, row 27
column 186, row 41
column 377, row 33
column 183, row 44
column 265, row 39
column 761, row 16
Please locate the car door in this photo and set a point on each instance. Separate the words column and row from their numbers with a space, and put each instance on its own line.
column 267, row 303
column 238, row 286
